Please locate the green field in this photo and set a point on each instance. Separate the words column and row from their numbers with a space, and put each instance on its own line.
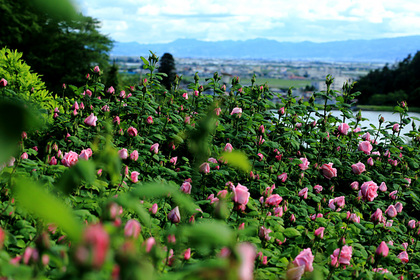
column 283, row 83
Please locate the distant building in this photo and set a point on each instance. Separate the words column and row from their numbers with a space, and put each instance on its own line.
column 336, row 85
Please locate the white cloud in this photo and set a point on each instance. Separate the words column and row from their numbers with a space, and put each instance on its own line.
column 167, row 20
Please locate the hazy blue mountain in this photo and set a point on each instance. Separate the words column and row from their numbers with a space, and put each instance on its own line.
column 378, row 50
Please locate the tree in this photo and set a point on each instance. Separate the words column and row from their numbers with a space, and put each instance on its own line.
column 62, row 47
column 167, row 66
column 392, row 84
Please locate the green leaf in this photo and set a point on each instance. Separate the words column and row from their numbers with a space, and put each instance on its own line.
column 209, row 233
column 35, row 199
column 238, row 160
column 291, row 232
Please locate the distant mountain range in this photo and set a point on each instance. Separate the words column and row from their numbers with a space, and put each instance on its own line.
column 375, row 50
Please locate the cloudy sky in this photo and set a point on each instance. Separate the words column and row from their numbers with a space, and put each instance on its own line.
column 161, row 21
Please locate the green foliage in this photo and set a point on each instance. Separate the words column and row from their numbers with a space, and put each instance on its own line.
column 59, row 45
column 27, row 85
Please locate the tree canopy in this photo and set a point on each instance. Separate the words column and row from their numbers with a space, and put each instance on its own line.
column 60, row 46
column 392, row 84
column 167, row 66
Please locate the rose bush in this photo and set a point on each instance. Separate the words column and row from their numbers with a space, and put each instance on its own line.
column 157, row 196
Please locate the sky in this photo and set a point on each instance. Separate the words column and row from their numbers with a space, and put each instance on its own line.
column 163, row 21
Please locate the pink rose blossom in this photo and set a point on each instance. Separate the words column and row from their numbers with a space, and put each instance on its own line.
column 318, row 188
column 248, row 254
column 345, row 256
column 174, row 215
column 228, row 148
column 305, row 164
column 154, row 209
column 186, row 187
column 263, row 233
column 382, row 187
column 368, row 190
column 70, row 159
column 319, row 232
column 237, row 111
column 149, row 120
column 393, row 194
column 412, row 224
column 134, row 176
column 91, row 120
column 305, row 258
column 282, row 177
column 403, row 256
column 358, row 168
column 132, row 229
column 240, row 194
column 303, row 192
column 134, row 155
column 382, row 249
column 355, row 185
column 204, row 168
column 377, row 216
column 343, row 128
column 274, row 200
column 132, row 131
column 154, row 148
column 399, row 207
column 123, row 153
column 391, row 211
column 365, row 147
column 328, row 171
column 94, row 246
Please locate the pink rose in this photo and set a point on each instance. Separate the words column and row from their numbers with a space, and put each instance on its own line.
column 96, row 69
column 85, row 154
column 318, row 188
column 228, row 148
column 370, row 161
column 173, row 160
column 365, row 147
column 174, row 216
column 217, row 111
column 398, row 207
column 154, row 148
column 319, row 232
column 393, row 194
column 264, row 233
column 274, row 200
column 391, row 211
column 377, row 216
column 186, row 187
column 305, row 164
column 305, row 258
column 149, row 120
column 149, row 244
column 248, row 254
column 123, row 153
column 132, row 131
column 412, row 224
column 91, row 120
column 355, row 185
column 240, row 194
column 24, row 156
column 134, row 155
column 345, row 256
column 237, row 111
column 154, row 209
column 132, row 229
column 382, row 187
column 368, row 190
column 282, row 177
column 3, row 82
column 187, row 254
column 343, row 128
column 204, row 168
column 94, row 246
column 403, row 256
column 70, row 159
column 358, row 168
column 134, row 176
column 382, row 249
column 304, row 192
column 328, row 171
column 396, row 127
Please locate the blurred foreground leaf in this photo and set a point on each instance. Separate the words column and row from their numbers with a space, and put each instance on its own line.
column 35, row 199
column 238, row 160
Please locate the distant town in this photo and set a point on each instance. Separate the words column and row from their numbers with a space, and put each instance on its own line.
column 304, row 76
